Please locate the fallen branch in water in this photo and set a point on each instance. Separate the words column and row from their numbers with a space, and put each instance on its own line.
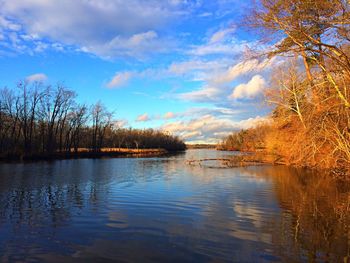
column 234, row 161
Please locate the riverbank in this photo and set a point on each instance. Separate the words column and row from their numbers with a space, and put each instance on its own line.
column 245, row 158
column 87, row 153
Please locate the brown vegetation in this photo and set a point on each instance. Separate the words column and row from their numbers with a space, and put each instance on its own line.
column 311, row 120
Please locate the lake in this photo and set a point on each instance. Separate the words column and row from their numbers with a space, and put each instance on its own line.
column 162, row 209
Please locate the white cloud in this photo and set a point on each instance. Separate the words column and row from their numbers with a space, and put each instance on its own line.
column 138, row 39
column 198, row 70
column 205, row 14
column 184, row 67
column 217, row 80
column 82, row 19
column 208, row 128
column 191, row 112
column 39, row 77
column 169, row 115
column 237, row 70
column 219, row 112
column 138, row 45
column 119, row 79
column 222, row 42
column 202, row 95
column 101, row 27
column 231, row 48
column 243, row 68
column 181, row 68
column 191, row 134
column 6, row 24
column 122, row 123
column 221, row 35
column 143, row 117
column 213, row 49
column 250, row 89
column 216, row 89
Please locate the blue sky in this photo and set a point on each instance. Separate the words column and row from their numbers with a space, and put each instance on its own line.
column 178, row 65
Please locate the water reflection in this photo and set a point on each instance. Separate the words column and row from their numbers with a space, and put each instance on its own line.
column 316, row 217
column 161, row 209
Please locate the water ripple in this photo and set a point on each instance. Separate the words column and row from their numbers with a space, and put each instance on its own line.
column 160, row 209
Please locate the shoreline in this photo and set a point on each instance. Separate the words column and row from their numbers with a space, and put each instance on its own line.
column 88, row 154
column 262, row 158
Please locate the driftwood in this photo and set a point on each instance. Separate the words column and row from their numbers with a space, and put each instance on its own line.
column 203, row 160
column 236, row 161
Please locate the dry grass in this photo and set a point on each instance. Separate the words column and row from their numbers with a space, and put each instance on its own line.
column 123, row 150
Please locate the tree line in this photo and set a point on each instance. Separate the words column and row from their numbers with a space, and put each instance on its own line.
column 310, row 93
column 39, row 119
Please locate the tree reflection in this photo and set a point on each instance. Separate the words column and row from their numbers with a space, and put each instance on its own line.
column 49, row 195
column 75, row 207
column 315, row 224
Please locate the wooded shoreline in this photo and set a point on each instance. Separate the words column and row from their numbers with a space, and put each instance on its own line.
column 40, row 121
column 86, row 153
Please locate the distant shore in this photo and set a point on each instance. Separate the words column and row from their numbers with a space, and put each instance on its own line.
column 201, row 146
column 87, row 153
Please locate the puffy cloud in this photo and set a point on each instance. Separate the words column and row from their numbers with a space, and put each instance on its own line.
column 217, row 80
column 250, row 89
column 39, row 77
column 217, row 75
column 251, row 66
column 83, row 19
column 138, row 45
column 237, row 70
column 208, row 128
column 119, row 79
column 143, row 117
column 128, row 26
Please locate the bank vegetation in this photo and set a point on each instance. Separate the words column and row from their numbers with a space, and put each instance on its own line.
column 310, row 93
column 39, row 120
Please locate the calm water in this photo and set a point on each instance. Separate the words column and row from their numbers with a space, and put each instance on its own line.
column 160, row 209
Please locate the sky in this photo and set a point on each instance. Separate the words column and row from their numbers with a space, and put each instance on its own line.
column 178, row 65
